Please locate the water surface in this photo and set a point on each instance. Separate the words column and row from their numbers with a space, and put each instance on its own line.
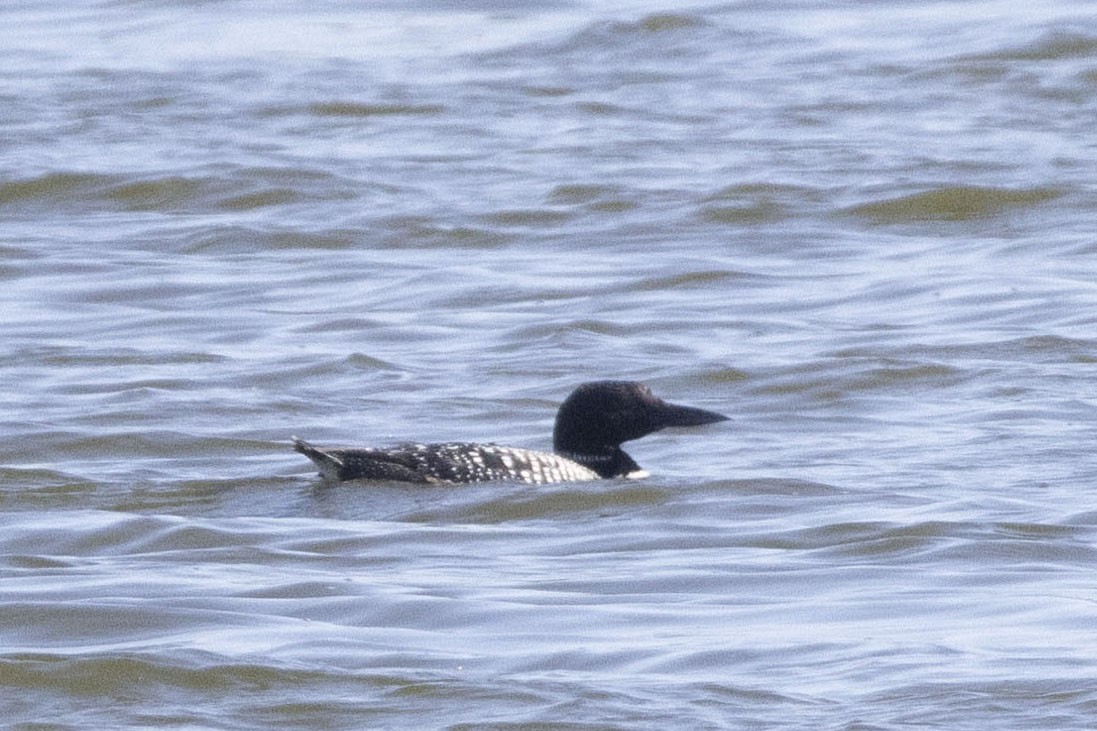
column 861, row 230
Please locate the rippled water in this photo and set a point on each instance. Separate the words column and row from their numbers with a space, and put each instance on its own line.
column 863, row 230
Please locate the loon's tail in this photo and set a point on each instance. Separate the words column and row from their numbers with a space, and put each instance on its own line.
column 329, row 465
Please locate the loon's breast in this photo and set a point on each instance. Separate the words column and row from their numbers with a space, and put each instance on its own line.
column 455, row 462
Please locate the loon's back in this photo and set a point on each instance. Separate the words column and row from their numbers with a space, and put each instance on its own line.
column 449, row 462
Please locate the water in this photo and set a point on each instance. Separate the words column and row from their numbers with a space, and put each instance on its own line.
column 860, row 229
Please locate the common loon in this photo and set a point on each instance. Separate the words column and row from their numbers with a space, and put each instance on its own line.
column 590, row 427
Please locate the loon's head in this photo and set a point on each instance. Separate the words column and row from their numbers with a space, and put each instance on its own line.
column 598, row 417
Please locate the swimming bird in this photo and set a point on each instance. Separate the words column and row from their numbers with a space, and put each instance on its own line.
column 591, row 425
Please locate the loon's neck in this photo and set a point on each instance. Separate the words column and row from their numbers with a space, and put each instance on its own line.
column 608, row 462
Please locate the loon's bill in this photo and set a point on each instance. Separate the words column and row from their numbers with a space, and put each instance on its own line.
column 591, row 425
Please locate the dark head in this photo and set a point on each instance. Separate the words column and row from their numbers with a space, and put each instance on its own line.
column 598, row 417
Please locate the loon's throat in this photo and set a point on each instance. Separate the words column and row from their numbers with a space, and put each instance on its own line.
column 588, row 459
column 613, row 462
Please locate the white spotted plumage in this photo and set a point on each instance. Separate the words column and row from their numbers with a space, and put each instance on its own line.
column 456, row 462
column 478, row 463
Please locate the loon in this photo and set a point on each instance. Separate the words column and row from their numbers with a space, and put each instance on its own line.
column 590, row 427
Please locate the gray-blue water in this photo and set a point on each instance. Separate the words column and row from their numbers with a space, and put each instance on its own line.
column 863, row 230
